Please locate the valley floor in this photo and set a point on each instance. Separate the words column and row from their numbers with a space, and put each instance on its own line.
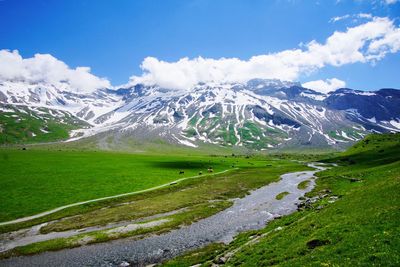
column 133, row 215
column 250, row 212
column 349, row 218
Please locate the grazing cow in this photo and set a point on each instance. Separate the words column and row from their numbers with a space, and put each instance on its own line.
column 200, row 173
column 181, row 172
column 210, row 169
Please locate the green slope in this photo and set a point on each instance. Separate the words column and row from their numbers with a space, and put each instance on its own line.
column 360, row 228
column 35, row 125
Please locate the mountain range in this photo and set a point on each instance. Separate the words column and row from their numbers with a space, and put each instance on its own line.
column 259, row 114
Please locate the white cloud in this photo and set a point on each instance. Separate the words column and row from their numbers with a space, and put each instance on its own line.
column 335, row 19
column 389, row 2
column 325, row 86
column 46, row 68
column 355, row 17
column 364, row 15
column 367, row 42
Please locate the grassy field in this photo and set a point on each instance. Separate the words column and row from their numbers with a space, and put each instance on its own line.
column 355, row 222
column 192, row 199
column 33, row 181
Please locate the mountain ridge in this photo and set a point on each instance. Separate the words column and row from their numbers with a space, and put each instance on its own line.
column 259, row 114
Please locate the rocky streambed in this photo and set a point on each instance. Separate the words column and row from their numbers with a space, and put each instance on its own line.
column 248, row 213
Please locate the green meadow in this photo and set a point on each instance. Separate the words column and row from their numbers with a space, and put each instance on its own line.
column 34, row 180
column 356, row 223
column 189, row 200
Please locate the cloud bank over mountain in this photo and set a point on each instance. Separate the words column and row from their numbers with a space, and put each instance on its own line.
column 364, row 43
column 48, row 69
column 326, row 86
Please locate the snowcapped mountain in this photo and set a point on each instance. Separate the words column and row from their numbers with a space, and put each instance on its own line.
column 259, row 114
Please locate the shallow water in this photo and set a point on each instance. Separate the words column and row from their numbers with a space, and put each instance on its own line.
column 32, row 235
column 249, row 213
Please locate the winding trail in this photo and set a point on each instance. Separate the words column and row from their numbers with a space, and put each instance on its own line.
column 42, row 214
column 248, row 213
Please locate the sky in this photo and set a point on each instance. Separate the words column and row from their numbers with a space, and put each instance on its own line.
column 324, row 44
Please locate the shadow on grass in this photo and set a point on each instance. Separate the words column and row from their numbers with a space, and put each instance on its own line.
column 185, row 165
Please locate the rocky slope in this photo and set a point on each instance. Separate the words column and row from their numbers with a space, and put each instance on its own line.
column 259, row 114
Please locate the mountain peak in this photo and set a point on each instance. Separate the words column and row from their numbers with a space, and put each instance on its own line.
column 258, row 114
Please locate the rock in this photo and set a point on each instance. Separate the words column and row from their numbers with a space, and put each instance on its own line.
column 353, row 180
column 124, row 264
column 317, row 243
column 221, row 260
column 320, row 207
column 328, row 191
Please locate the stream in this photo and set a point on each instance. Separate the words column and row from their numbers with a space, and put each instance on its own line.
column 249, row 213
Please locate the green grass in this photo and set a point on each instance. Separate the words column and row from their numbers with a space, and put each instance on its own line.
column 361, row 228
column 281, row 195
column 207, row 253
column 28, row 127
column 196, row 191
column 200, row 198
column 33, row 181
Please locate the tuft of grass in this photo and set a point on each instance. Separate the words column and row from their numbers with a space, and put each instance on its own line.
column 281, row 195
column 208, row 253
column 303, row 185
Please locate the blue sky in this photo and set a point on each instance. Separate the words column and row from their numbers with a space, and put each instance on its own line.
column 114, row 37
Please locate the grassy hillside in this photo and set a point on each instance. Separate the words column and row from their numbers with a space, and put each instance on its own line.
column 355, row 222
column 24, row 125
